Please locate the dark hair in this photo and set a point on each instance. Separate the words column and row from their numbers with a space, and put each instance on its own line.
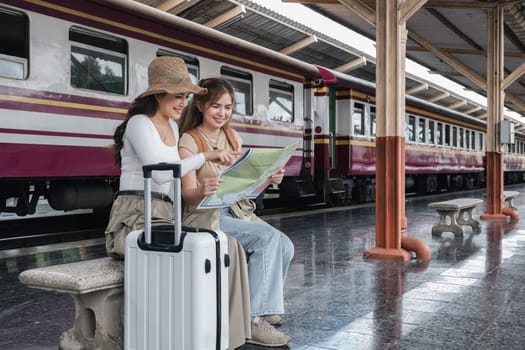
column 192, row 117
column 147, row 105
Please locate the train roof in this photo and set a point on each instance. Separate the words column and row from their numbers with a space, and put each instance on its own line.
column 331, row 77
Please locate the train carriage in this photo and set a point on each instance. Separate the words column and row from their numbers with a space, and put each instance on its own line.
column 444, row 148
column 69, row 69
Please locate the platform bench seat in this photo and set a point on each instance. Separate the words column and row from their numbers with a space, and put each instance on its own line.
column 456, row 209
column 97, row 288
column 509, row 199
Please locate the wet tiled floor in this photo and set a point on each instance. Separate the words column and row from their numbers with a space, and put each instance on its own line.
column 470, row 295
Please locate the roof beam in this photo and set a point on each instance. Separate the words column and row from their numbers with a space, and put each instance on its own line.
column 513, row 54
column 512, row 77
column 168, row 5
column 417, row 88
column 515, row 101
column 301, row 44
column 237, row 12
column 451, row 26
column 363, row 11
column 175, row 7
column 430, row 3
column 439, row 97
column 446, row 73
column 483, row 116
column 313, row 2
column 457, row 104
column 472, row 110
column 409, row 8
column 450, row 60
column 461, row 4
column 354, row 64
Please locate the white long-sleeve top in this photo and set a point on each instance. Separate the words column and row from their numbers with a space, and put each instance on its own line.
column 143, row 145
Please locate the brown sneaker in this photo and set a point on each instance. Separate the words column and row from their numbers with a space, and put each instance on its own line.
column 265, row 334
column 274, row 320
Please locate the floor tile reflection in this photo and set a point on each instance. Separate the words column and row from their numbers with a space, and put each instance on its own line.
column 469, row 296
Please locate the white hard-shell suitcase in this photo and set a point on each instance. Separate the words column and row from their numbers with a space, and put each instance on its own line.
column 176, row 282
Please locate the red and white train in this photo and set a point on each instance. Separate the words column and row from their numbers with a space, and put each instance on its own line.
column 69, row 69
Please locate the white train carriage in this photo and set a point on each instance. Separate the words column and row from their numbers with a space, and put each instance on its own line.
column 69, row 69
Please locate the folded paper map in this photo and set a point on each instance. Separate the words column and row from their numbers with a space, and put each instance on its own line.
column 248, row 176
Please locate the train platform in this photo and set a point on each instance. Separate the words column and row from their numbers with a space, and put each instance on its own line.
column 470, row 295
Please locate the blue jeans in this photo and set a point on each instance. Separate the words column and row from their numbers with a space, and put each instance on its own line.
column 270, row 253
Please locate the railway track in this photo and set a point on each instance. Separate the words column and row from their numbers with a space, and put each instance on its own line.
column 30, row 232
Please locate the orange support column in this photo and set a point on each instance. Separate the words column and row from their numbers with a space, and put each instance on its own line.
column 495, row 98
column 390, row 199
column 391, row 223
column 495, row 199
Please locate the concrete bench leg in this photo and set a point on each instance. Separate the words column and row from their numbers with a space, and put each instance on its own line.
column 444, row 227
column 509, row 203
column 98, row 322
column 476, row 226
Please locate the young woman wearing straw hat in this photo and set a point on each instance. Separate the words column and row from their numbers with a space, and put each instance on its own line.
column 149, row 135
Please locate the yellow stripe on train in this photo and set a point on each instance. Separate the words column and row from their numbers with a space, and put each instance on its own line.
column 45, row 102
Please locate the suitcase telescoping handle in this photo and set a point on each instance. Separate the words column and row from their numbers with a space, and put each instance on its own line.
column 147, row 170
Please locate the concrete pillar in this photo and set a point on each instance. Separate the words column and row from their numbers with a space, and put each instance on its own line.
column 390, row 140
column 495, row 99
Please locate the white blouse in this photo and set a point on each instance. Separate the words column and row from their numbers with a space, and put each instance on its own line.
column 143, row 145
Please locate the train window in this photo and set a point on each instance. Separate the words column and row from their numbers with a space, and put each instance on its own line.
column 473, row 140
column 358, row 119
column 421, row 130
column 14, row 44
column 98, row 61
column 191, row 62
column 447, row 135
column 281, row 103
column 461, row 138
column 481, row 142
column 454, row 136
column 430, row 132
column 373, row 122
column 243, row 84
column 411, row 128
column 467, row 138
column 439, row 134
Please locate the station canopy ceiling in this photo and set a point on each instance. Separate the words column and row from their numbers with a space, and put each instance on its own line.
column 443, row 35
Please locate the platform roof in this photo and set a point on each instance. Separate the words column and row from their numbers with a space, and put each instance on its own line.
column 454, row 28
column 449, row 37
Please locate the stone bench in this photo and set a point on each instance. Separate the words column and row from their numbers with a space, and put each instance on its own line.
column 509, row 199
column 97, row 287
column 456, row 209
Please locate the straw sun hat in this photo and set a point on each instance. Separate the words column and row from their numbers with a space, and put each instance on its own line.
column 170, row 74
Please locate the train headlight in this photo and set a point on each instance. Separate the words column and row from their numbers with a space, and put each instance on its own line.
column 307, row 165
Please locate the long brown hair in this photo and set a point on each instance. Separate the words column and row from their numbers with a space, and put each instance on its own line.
column 192, row 117
column 147, row 105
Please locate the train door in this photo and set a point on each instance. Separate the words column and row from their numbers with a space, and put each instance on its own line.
column 332, row 126
column 300, row 190
column 308, row 141
column 321, row 136
column 341, row 185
